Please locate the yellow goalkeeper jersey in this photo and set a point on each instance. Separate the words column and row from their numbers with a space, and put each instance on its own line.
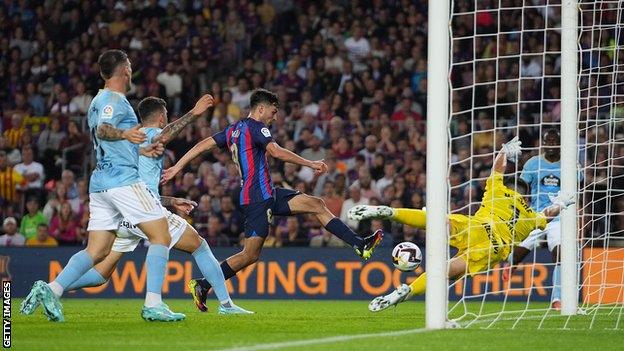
column 506, row 210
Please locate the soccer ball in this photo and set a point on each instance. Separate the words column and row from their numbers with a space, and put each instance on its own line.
column 406, row 256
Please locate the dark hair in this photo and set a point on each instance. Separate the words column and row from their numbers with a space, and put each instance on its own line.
column 148, row 106
column 109, row 60
column 42, row 225
column 262, row 96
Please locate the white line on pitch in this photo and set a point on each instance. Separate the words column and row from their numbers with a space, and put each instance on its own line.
column 332, row 339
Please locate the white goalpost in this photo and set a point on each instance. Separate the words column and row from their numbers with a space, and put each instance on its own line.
column 504, row 68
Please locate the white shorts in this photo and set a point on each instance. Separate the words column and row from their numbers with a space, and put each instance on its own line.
column 553, row 236
column 129, row 236
column 134, row 203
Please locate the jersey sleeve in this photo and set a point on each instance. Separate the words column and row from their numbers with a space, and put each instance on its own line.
column 494, row 182
column 261, row 135
column 540, row 221
column 221, row 139
column 528, row 172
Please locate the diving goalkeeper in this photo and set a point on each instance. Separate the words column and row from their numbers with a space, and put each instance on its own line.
column 482, row 240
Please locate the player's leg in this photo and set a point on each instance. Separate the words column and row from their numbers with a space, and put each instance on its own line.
column 288, row 203
column 104, row 219
column 457, row 269
column 192, row 243
column 139, row 207
column 412, row 217
column 99, row 274
column 553, row 236
column 258, row 216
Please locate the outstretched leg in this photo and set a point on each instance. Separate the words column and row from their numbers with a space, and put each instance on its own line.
column 412, row 217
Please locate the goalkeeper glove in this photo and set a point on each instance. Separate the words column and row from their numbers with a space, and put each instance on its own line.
column 512, row 149
column 561, row 199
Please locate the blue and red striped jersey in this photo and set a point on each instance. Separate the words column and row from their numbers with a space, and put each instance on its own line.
column 247, row 140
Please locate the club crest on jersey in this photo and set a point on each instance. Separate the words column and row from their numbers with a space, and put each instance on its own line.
column 107, row 112
column 550, row 180
column 265, row 131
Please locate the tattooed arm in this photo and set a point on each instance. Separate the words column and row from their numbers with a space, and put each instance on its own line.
column 172, row 129
column 106, row 131
column 180, row 205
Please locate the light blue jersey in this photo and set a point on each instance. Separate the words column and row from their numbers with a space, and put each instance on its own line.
column 544, row 178
column 150, row 168
column 117, row 161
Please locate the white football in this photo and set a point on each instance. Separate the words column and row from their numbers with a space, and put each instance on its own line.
column 406, row 256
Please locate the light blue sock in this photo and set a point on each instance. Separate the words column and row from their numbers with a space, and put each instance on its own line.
column 211, row 270
column 556, row 292
column 91, row 278
column 78, row 265
column 156, row 262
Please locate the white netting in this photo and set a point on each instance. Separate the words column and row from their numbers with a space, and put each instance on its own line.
column 506, row 81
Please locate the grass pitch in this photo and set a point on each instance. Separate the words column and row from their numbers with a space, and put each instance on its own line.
column 100, row 324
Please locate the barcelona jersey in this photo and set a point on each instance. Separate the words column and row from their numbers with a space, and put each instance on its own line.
column 247, row 140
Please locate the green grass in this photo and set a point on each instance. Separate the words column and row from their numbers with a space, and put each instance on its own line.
column 99, row 324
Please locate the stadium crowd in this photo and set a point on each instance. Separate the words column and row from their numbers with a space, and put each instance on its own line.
column 350, row 76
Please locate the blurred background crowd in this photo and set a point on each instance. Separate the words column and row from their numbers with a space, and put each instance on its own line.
column 352, row 83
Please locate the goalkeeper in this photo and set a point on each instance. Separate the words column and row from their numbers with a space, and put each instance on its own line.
column 482, row 240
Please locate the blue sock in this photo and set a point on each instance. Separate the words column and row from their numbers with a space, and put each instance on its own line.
column 78, row 265
column 156, row 263
column 91, row 278
column 556, row 292
column 209, row 266
column 344, row 233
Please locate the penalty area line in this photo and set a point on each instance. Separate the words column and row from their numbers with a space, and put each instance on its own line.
column 327, row 340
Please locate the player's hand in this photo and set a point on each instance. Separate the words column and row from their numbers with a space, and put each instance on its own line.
column 168, row 174
column 183, row 205
column 512, row 149
column 202, row 104
column 134, row 135
column 319, row 167
column 562, row 200
column 152, row 150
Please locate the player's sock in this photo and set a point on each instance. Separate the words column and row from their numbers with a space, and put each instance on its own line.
column 209, row 266
column 156, row 262
column 228, row 273
column 78, row 265
column 342, row 231
column 419, row 285
column 411, row 217
column 556, row 293
column 91, row 278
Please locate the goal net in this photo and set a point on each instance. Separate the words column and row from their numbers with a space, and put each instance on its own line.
column 505, row 78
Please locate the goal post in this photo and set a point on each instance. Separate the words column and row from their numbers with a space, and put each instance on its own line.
column 437, row 163
column 569, row 154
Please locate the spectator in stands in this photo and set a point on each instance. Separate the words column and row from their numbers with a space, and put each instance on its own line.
column 64, row 226
column 213, row 234
column 333, row 201
column 64, row 107
column 11, row 237
column 10, row 181
column 82, row 99
column 32, row 219
column 292, row 234
column 79, row 143
column 172, row 81
column 32, row 171
column 355, row 199
column 42, row 238
column 326, row 239
column 49, row 144
column 231, row 220
column 13, row 134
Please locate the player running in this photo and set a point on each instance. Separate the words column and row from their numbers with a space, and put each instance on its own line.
column 116, row 192
column 249, row 140
column 483, row 239
column 153, row 115
column 542, row 174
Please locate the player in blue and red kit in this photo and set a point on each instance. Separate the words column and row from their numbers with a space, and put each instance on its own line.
column 249, row 140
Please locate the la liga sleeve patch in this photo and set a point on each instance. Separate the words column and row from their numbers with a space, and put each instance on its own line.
column 266, row 132
column 107, row 112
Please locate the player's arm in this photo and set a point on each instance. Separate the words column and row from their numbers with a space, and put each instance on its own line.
column 172, row 129
column 179, row 204
column 106, row 131
column 199, row 148
column 152, row 150
column 285, row 155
